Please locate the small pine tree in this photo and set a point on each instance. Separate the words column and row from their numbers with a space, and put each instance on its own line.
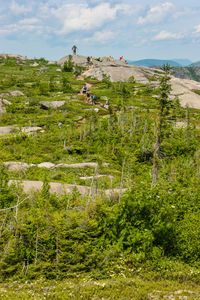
column 68, row 65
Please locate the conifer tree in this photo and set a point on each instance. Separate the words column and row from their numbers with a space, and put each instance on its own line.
column 164, row 106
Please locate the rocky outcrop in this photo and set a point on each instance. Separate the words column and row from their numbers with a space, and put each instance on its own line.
column 46, row 165
column 184, row 90
column 13, row 129
column 77, row 59
column 62, row 188
column 34, row 64
column 7, row 129
column 78, row 165
column 16, row 166
column 31, row 129
column 3, row 103
column 52, row 62
column 16, row 93
column 120, row 71
column 13, row 56
column 49, row 165
column 52, row 104
column 2, row 108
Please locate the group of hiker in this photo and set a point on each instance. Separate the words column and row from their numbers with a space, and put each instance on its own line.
column 89, row 60
column 92, row 98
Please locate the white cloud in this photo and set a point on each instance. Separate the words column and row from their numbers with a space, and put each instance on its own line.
column 75, row 17
column 19, row 28
column 29, row 21
column 157, row 13
column 101, row 36
column 197, row 29
column 165, row 35
column 18, row 9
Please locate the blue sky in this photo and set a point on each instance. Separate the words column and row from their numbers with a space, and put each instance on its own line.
column 135, row 29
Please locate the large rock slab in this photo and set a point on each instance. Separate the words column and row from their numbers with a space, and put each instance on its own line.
column 7, row 129
column 184, row 90
column 120, row 73
column 55, row 187
column 78, row 165
column 3, row 103
column 2, row 108
column 77, row 59
column 62, row 188
column 52, row 104
column 46, row 165
column 16, row 166
column 16, row 93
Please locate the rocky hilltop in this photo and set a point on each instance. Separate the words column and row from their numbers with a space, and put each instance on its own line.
column 13, row 56
column 186, row 90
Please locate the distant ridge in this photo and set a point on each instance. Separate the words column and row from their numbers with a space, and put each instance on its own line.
column 153, row 62
column 184, row 62
column 196, row 64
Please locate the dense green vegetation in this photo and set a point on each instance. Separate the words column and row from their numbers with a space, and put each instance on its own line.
column 151, row 232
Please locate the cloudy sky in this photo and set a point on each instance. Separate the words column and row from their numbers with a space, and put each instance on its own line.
column 136, row 29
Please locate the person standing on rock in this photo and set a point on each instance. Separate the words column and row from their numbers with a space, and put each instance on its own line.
column 74, row 49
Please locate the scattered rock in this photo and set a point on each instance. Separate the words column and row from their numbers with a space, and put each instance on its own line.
column 6, row 102
column 58, row 70
column 7, row 129
column 52, row 62
column 181, row 124
column 96, row 110
column 43, row 69
column 2, row 108
column 96, row 177
column 34, row 65
column 47, row 165
column 16, row 166
column 111, row 192
column 3, row 102
column 52, row 104
column 16, row 93
column 78, row 165
column 31, row 129
column 4, row 95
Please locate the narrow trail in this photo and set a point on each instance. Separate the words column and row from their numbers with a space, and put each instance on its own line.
column 88, row 94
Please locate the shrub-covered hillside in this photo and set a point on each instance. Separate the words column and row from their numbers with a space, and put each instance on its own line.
column 132, row 162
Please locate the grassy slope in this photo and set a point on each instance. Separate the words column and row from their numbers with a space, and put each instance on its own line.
column 126, row 131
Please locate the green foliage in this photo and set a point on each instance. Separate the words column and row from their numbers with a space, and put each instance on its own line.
column 193, row 73
column 68, row 65
column 106, row 80
column 78, row 70
column 153, row 227
column 66, row 86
